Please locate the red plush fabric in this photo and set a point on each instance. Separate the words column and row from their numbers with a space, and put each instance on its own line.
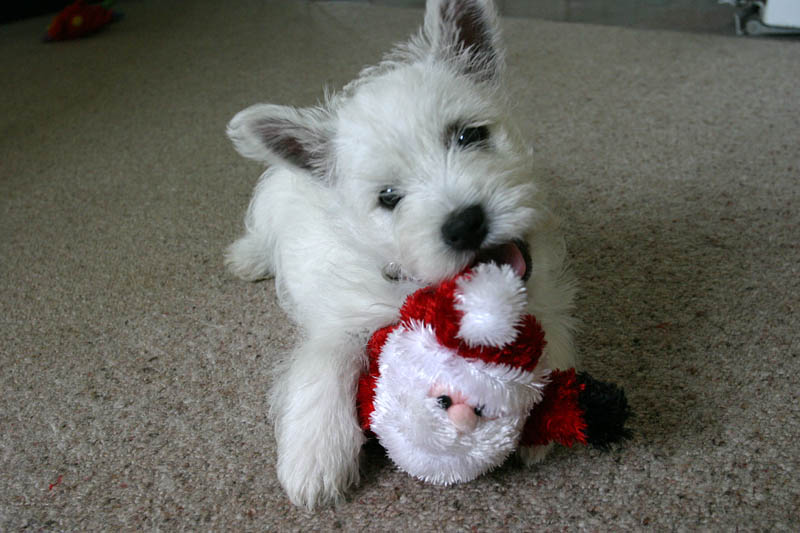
column 365, row 395
column 558, row 416
column 435, row 307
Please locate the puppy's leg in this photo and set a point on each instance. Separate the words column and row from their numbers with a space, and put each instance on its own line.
column 551, row 296
column 559, row 351
column 275, row 200
column 551, row 292
column 532, row 455
column 551, row 299
column 317, row 431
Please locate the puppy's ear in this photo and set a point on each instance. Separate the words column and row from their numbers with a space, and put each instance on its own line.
column 282, row 135
column 465, row 32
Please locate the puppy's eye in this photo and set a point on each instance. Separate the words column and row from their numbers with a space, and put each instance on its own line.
column 445, row 402
column 389, row 197
column 472, row 136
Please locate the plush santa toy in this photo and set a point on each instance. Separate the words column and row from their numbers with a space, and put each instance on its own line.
column 456, row 385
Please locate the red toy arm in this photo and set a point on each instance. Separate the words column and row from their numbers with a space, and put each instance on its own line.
column 578, row 408
column 558, row 417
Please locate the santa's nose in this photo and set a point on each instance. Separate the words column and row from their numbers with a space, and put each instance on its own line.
column 463, row 417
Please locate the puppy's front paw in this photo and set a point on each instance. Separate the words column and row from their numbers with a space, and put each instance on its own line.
column 532, row 455
column 316, row 466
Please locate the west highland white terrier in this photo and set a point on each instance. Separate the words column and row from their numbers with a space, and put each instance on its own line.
column 409, row 175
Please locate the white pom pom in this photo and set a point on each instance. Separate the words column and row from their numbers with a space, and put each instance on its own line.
column 493, row 300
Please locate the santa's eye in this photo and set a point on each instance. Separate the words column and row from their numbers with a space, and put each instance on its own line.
column 444, row 402
column 389, row 197
column 479, row 410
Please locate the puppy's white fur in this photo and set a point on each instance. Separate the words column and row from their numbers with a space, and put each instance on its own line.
column 316, row 223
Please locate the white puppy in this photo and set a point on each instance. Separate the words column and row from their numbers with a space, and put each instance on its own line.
column 411, row 174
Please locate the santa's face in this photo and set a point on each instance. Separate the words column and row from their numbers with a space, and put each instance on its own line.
column 443, row 418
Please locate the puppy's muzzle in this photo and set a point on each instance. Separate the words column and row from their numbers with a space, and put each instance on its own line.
column 466, row 229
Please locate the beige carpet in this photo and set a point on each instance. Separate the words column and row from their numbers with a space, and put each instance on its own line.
column 133, row 368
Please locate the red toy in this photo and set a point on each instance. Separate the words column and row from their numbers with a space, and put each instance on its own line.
column 79, row 19
column 457, row 384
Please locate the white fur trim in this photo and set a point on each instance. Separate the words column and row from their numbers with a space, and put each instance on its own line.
column 501, row 388
column 493, row 300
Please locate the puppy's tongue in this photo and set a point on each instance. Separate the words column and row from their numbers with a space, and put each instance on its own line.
column 506, row 254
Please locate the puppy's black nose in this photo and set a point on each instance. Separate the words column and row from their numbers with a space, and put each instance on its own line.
column 466, row 228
